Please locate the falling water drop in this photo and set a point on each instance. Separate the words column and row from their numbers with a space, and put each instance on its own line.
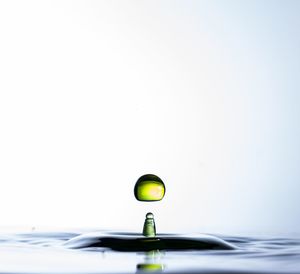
column 149, row 188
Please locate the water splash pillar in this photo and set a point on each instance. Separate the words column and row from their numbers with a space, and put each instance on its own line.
column 149, row 188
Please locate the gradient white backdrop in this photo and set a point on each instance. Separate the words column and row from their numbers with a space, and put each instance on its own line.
column 204, row 94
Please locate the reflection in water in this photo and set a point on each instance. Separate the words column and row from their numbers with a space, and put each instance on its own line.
column 152, row 263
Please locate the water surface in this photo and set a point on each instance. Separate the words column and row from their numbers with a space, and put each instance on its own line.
column 116, row 252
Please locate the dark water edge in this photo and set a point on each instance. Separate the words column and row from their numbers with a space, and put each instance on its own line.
column 137, row 243
column 117, row 252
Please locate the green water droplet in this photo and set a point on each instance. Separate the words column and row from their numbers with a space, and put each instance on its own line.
column 149, row 229
column 150, row 267
column 149, row 188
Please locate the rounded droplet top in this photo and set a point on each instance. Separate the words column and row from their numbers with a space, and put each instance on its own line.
column 149, row 188
column 149, row 215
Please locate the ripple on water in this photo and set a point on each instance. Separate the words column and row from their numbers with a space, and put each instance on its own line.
column 137, row 243
column 68, row 252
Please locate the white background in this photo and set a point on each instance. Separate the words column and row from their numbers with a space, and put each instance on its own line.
column 204, row 94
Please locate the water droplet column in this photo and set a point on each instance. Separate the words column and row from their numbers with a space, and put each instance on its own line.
column 149, row 188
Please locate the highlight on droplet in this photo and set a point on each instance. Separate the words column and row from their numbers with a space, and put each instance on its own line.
column 149, row 188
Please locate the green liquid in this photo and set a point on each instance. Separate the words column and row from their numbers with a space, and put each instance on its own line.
column 149, row 188
column 149, row 229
